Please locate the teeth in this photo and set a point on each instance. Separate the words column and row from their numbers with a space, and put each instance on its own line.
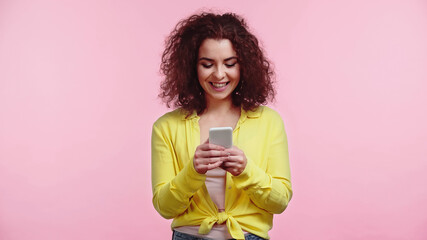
column 219, row 85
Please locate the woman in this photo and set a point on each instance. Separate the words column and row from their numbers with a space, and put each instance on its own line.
column 217, row 75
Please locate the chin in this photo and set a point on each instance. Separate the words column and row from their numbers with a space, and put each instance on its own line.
column 221, row 97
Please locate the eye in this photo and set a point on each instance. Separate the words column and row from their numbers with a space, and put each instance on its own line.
column 230, row 65
column 207, row 65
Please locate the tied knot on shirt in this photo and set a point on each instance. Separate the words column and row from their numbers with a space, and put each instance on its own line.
column 220, row 218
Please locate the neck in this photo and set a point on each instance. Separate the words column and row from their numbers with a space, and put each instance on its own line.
column 219, row 107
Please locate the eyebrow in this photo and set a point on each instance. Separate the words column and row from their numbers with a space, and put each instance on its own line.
column 211, row 60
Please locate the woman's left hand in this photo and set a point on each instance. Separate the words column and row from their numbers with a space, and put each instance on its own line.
column 235, row 162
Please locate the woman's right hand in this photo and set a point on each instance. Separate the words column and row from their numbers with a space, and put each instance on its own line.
column 208, row 156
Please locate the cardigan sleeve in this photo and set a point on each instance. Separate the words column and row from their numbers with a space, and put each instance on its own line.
column 172, row 188
column 269, row 189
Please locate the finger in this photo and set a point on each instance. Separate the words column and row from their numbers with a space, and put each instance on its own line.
column 214, row 165
column 231, row 164
column 207, row 161
column 210, row 146
column 209, row 154
column 232, row 158
column 233, row 151
column 233, row 171
column 215, row 160
column 200, row 168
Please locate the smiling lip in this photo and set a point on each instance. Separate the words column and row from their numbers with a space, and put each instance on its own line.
column 219, row 86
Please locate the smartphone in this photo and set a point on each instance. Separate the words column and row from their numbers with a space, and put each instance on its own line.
column 222, row 136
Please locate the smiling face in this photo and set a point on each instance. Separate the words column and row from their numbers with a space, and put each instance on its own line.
column 218, row 69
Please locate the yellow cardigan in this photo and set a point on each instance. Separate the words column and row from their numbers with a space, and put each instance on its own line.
column 251, row 199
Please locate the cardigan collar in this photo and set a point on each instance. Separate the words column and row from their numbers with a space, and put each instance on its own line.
column 243, row 114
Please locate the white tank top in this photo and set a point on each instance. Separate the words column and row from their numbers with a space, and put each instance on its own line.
column 215, row 183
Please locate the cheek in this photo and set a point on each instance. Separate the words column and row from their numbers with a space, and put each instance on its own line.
column 235, row 74
column 202, row 73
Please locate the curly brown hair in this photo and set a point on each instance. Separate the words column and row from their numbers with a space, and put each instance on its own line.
column 179, row 62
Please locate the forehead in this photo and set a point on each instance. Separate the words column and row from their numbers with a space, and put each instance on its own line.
column 216, row 49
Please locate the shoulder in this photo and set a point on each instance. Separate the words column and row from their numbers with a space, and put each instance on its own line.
column 169, row 118
column 269, row 112
column 272, row 122
column 264, row 113
column 173, row 118
column 264, row 118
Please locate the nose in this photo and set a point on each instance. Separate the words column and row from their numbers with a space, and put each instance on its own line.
column 219, row 73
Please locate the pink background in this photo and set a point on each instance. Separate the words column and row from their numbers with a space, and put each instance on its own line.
column 78, row 96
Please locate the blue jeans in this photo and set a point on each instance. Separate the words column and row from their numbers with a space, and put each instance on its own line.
column 183, row 236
